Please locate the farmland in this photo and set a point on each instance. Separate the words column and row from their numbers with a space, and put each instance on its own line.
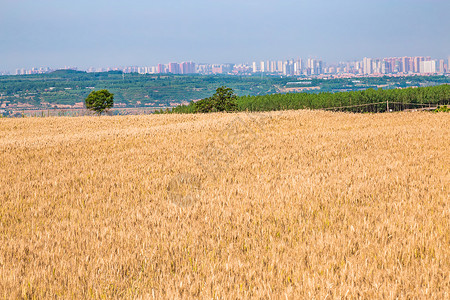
column 288, row 204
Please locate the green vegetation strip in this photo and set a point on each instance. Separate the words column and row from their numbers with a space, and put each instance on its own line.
column 369, row 100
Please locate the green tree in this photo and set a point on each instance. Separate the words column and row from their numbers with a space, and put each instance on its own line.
column 223, row 100
column 99, row 101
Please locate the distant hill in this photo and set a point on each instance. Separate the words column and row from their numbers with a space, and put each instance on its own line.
column 63, row 72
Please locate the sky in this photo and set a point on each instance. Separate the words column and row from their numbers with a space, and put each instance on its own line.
column 102, row 33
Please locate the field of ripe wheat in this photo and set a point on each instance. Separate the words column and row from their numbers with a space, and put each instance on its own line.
column 294, row 204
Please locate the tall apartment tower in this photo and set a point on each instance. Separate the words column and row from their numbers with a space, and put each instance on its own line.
column 187, row 67
column 273, row 66
column 263, row 67
column 161, row 68
column 428, row 66
column 174, row 68
column 255, row 67
column 299, row 66
column 411, row 65
column 405, row 64
column 367, row 65
column 441, row 66
column 311, row 64
column 377, row 66
column 288, row 68
column 417, row 61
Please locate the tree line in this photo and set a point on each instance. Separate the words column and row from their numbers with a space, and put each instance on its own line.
column 369, row 100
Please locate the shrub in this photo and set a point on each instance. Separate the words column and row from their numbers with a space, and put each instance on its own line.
column 442, row 108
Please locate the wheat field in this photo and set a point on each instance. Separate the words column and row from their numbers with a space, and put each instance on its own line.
column 281, row 205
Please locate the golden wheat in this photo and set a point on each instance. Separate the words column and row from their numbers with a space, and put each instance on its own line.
column 296, row 204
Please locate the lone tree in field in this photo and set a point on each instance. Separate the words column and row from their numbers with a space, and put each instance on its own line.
column 223, row 100
column 99, row 101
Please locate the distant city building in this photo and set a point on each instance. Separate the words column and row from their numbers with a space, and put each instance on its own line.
column 161, row 68
column 222, row 69
column 417, row 61
column 367, row 65
column 174, row 68
column 255, row 67
column 187, row 67
column 441, row 66
column 405, row 65
column 263, row 67
column 428, row 67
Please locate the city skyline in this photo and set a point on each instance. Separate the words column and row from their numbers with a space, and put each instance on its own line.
column 290, row 67
column 105, row 33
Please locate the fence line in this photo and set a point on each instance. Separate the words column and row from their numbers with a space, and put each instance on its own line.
column 350, row 106
column 423, row 104
column 384, row 102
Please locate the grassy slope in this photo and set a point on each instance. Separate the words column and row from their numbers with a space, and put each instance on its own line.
column 296, row 204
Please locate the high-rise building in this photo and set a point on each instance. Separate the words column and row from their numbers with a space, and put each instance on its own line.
column 217, row 69
column 273, row 66
column 187, row 67
column 192, row 67
column 376, row 66
column 405, row 65
column 255, row 67
column 384, row 67
column 161, row 68
column 417, row 61
column 222, row 69
column 393, row 65
column 298, row 66
column 318, row 67
column 143, row 70
column 288, row 68
column 184, row 68
column 280, row 66
column 311, row 63
column 411, row 65
column 428, row 66
column 367, row 65
column 263, row 67
column 441, row 66
column 174, row 68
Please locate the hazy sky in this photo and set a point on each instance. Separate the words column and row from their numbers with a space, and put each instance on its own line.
column 101, row 33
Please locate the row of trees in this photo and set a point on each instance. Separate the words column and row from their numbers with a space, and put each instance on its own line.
column 370, row 100
column 410, row 96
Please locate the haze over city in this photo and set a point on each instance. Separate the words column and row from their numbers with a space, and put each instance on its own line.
column 112, row 33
